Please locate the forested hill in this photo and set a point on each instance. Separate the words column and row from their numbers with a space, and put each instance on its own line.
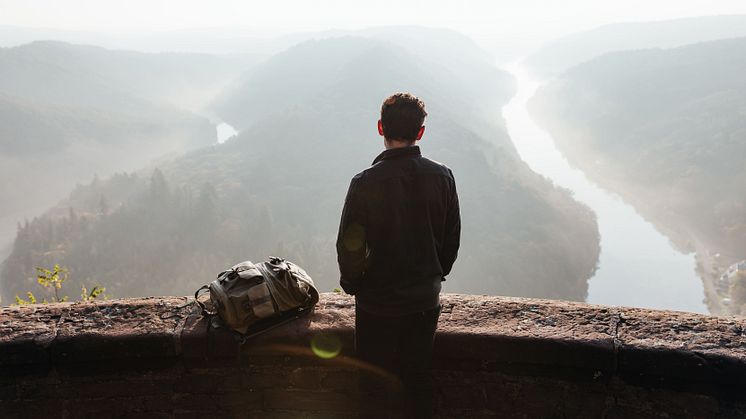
column 329, row 62
column 566, row 52
column 59, row 73
column 667, row 130
column 70, row 111
column 308, row 118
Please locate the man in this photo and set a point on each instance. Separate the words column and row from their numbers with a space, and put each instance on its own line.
column 398, row 239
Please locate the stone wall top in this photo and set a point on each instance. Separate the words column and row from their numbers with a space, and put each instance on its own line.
column 576, row 341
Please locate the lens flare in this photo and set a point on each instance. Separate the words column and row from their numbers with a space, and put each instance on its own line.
column 326, row 345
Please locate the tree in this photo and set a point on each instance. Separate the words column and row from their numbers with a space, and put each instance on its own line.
column 159, row 190
column 103, row 205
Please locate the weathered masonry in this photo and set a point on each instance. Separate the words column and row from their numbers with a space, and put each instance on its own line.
column 495, row 357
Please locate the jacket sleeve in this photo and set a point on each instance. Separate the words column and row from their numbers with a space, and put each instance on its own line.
column 452, row 236
column 351, row 239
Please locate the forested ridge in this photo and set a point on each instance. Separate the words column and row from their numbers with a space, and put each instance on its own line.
column 70, row 111
column 278, row 187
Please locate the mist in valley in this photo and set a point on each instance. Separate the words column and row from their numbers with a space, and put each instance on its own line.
column 598, row 156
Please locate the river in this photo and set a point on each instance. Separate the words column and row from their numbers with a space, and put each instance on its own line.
column 224, row 132
column 638, row 266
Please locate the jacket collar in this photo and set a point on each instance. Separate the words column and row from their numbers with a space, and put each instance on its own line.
column 399, row 153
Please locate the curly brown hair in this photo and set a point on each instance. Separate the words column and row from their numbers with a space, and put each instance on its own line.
column 402, row 115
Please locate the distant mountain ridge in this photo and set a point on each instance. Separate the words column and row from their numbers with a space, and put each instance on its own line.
column 61, row 73
column 566, row 52
column 229, row 40
column 307, row 118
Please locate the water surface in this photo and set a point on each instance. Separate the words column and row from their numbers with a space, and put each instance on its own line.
column 225, row 132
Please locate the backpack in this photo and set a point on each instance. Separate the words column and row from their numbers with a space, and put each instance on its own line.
column 254, row 298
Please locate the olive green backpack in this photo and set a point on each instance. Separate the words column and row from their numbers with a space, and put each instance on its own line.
column 253, row 298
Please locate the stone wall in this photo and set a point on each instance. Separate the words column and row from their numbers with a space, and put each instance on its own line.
column 495, row 357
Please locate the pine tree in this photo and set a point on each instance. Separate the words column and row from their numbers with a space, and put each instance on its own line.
column 103, row 205
column 158, row 191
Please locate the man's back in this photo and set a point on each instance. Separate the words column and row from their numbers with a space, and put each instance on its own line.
column 407, row 207
column 398, row 239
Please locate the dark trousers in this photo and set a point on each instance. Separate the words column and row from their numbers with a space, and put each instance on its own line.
column 401, row 348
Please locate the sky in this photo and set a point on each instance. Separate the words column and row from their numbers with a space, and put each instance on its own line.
column 487, row 21
column 283, row 16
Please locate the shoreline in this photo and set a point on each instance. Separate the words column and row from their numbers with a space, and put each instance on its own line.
column 669, row 224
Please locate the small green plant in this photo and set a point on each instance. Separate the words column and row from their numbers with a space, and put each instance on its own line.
column 94, row 294
column 53, row 279
column 31, row 299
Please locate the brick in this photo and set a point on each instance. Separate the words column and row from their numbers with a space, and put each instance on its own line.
column 31, row 408
column 582, row 405
column 447, row 413
column 97, row 389
column 219, row 402
column 223, row 345
column 123, row 405
column 190, row 414
column 23, row 357
column 330, row 415
column 265, row 377
column 219, row 381
column 90, row 347
column 340, row 379
column 499, row 395
column 193, row 338
column 307, row 377
column 294, row 414
column 106, row 354
column 162, row 403
column 278, row 358
column 308, row 400
column 548, row 353
column 8, row 392
column 462, row 397
column 153, row 415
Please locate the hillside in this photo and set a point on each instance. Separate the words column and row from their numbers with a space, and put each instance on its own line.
column 308, row 125
column 667, row 130
column 566, row 52
column 261, row 94
column 71, row 111
column 85, row 75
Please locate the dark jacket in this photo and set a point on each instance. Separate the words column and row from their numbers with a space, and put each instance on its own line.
column 399, row 233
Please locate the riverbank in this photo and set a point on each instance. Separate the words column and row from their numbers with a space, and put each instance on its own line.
column 638, row 265
column 682, row 237
column 653, row 206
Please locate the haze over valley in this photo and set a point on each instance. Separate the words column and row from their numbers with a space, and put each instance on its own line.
column 603, row 165
column 68, row 112
column 306, row 126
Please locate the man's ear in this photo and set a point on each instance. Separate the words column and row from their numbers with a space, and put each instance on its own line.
column 380, row 128
column 419, row 133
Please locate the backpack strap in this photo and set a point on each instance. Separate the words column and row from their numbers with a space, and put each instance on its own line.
column 202, row 307
column 275, row 323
